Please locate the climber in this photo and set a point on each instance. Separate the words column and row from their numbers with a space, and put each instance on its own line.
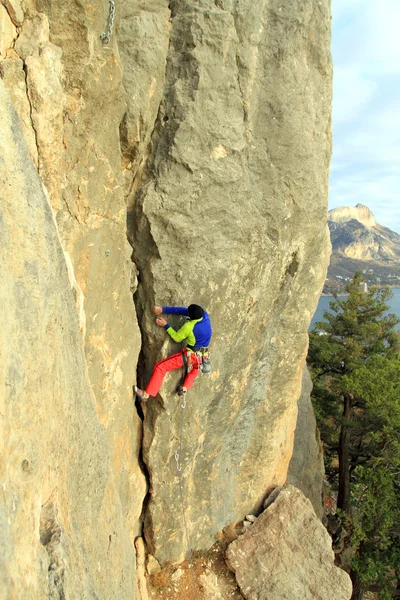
column 197, row 333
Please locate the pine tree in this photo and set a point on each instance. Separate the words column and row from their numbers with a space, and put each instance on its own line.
column 355, row 368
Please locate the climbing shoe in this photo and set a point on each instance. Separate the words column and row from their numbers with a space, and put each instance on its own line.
column 140, row 394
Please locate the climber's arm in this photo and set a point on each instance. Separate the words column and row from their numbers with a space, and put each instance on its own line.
column 175, row 310
column 182, row 333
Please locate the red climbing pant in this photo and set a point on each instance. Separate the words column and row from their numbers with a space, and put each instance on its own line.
column 175, row 361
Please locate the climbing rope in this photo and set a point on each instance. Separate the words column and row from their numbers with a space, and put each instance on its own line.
column 178, row 455
column 106, row 35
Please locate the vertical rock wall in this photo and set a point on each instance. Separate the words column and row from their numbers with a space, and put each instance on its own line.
column 306, row 469
column 211, row 122
column 62, row 526
column 230, row 212
column 66, row 86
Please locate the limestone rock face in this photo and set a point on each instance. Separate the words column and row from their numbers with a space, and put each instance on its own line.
column 287, row 554
column 306, row 468
column 143, row 41
column 13, row 76
column 210, row 121
column 8, row 32
column 70, row 99
column 15, row 10
column 230, row 213
column 63, row 529
column 66, row 86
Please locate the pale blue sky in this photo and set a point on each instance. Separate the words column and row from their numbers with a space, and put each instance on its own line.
column 365, row 163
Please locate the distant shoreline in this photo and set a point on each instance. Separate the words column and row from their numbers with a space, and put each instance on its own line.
column 324, row 301
column 391, row 287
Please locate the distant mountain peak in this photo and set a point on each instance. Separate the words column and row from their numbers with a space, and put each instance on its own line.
column 359, row 243
column 360, row 213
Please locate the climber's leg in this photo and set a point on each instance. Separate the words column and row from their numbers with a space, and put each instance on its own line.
column 191, row 376
column 161, row 369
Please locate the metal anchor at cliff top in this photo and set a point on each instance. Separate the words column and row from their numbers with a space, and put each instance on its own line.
column 106, row 35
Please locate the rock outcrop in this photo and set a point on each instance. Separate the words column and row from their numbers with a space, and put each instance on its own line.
column 229, row 213
column 207, row 122
column 306, row 469
column 287, row 554
column 67, row 89
column 63, row 528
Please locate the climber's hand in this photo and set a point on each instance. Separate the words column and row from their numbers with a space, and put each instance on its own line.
column 157, row 310
column 161, row 322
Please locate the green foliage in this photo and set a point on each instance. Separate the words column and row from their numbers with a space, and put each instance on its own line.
column 357, row 357
column 375, row 492
column 375, row 533
column 355, row 330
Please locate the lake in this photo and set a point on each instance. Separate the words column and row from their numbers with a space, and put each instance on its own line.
column 323, row 305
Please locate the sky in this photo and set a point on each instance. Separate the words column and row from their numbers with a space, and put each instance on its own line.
column 365, row 164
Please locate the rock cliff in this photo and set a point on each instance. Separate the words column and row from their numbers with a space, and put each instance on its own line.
column 306, row 468
column 63, row 524
column 200, row 133
column 216, row 219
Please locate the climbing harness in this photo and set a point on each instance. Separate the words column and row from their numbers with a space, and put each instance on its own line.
column 106, row 35
column 187, row 362
column 203, row 359
column 178, row 455
column 202, row 356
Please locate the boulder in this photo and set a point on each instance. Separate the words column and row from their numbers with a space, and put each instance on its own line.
column 288, row 554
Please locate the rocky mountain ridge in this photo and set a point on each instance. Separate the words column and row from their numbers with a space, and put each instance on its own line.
column 200, row 133
column 359, row 213
column 359, row 243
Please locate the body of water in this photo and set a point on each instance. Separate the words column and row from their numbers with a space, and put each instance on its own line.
column 323, row 305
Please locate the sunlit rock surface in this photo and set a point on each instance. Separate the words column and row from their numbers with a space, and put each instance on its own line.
column 62, row 526
column 210, row 122
column 230, row 212
column 306, row 468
